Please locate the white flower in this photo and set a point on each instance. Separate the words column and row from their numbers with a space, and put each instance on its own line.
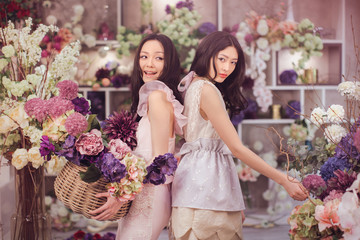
column 349, row 215
column 51, row 19
column 334, row 133
column 20, row 158
column 6, row 124
column 318, row 116
column 268, row 195
column 262, row 27
column 62, row 211
column 78, row 9
column 279, row 207
column 262, row 43
column 270, row 210
column 35, row 157
column 55, row 164
column 336, row 113
column 34, row 134
column 78, row 31
column 3, row 64
column 258, row 146
column 48, row 200
column 276, row 46
column 346, row 88
column 282, row 195
column 74, row 217
column 286, row 130
column 8, row 51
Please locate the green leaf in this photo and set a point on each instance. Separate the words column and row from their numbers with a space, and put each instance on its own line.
column 92, row 174
column 93, row 123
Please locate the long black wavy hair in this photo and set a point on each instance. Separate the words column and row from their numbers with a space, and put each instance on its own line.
column 230, row 89
column 170, row 74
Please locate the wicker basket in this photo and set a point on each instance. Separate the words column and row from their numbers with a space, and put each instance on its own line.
column 78, row 195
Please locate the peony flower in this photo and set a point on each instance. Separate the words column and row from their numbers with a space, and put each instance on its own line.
column 75, row 124
column 7, row 125
column 35, row 157
column 327, row 214
column 68, row 89
column 334, row 133
column 118, row 148
column 336, row 113
column 55, row 164
column 90, row 143
column 122, row 126
column 20, row 158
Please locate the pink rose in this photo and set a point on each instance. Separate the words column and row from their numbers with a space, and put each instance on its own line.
column 90, row 143
column 118, row 148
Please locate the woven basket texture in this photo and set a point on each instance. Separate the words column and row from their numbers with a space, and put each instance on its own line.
column 79, row 196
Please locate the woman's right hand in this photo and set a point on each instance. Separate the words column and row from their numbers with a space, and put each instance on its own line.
column 295, row 189
column 108, row 210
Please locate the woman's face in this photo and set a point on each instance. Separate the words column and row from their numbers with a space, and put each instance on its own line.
column 225, row 63
column 151, row 60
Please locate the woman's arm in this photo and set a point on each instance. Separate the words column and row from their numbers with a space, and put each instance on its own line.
column 161, row 117
column 212, row 109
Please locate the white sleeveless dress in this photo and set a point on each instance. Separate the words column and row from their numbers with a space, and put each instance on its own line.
column 150, row 210
column 206, row 193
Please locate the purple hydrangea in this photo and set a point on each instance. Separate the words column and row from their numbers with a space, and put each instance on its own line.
column 112, row 169
column 46, row 148
column 119, row 80
column 162, row 165
column 188, row 4
column 249, row 113
column 87, row 160
column 346, row 149
column 293, row 110
column 69, row 151
column 288, row 77
column 331, row 165
column 81, row 105
column 154, row 175
column 207, row 28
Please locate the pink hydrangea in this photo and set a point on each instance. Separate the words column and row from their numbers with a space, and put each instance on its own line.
column 334, row 194
column 57, row 106
column 90, row 143
column 68, row 89
column 37, row 108
column 118, row 148
column 76, row 123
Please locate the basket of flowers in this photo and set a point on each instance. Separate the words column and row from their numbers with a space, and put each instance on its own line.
column 100, row 160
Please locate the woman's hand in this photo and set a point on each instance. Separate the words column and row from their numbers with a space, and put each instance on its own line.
column 108, row 210
column 295, row 189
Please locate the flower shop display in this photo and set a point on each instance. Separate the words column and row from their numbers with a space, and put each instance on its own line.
column 330, row 170
column 17, row 11
column 261, row 34
column 32, row 106
column 112, row 75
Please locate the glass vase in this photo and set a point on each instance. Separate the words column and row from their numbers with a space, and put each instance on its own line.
column 30, row 220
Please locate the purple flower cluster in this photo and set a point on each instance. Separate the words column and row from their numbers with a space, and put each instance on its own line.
column 102, row 73
column 120, row 80
column 112, row 169
column 207, row 28
column 331, row 165
column 288, row 77
column 46, row 148
column 162, row 165
column 188, row 4
column 68, row 89
column 314, row 184
column 249, row 113
column 69, row 151
column 293, row 109
column 81, row 105
column 346, row 149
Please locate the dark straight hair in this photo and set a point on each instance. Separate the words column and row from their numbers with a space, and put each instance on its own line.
column 170, row 74
column 230, row 89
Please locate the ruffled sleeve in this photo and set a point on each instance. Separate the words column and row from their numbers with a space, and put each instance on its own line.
column 147, row 88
